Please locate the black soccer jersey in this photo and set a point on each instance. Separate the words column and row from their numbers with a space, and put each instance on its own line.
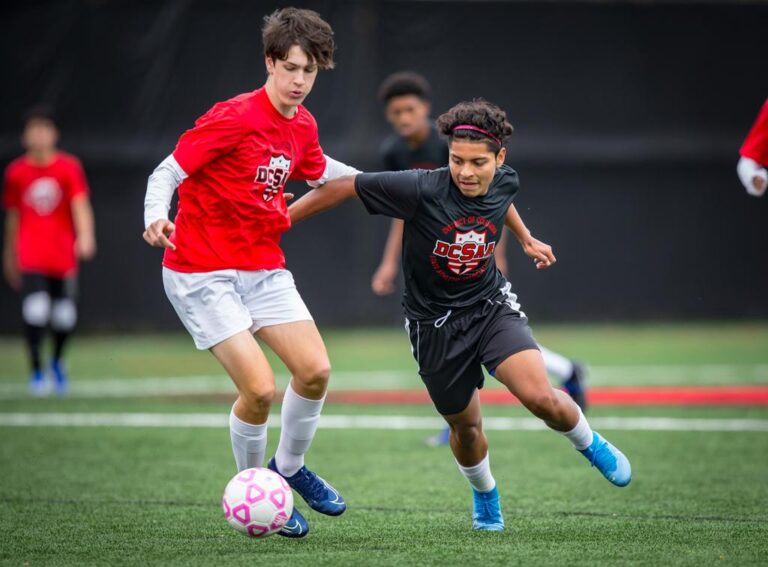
column 448, row 240
column 431, row 154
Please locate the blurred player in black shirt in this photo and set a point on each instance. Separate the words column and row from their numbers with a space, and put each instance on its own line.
column 460, row 309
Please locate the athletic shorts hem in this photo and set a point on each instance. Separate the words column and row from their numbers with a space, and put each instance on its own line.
column 491, row 368
column 255, row 327
column 212, row 342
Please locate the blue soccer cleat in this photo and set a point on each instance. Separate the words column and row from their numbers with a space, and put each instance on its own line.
column 296, row 526
column 320, row 495
column 37, row 386
column 608, row 460
column 60, row 378
column 486, row 511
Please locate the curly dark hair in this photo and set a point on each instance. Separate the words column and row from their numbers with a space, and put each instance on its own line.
column 293, row 26
column 404, row 83
column 480, row 114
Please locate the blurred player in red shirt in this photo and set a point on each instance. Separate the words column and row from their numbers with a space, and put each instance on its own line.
column 48, row 227
column 223, row 269
column 754, row 156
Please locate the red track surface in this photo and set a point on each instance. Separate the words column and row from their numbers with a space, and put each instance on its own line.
column 616, row 396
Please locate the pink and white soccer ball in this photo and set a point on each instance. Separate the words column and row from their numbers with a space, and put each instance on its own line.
column 257, row 502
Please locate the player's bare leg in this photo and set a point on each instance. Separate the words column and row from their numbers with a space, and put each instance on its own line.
column 244, row 361
column 301, row 348
column 470, row 448
column 467, row 439
column 525, row 376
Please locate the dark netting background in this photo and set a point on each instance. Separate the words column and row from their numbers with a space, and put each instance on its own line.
column 628, row 121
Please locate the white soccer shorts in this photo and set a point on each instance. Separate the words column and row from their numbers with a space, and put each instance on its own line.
column 214, row 306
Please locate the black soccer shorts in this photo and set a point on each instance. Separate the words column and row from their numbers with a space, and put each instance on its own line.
column 451, row 355
column 56, row 288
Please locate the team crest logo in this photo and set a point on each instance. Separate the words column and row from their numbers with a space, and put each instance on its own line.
column 466, row 252
column 273, row 176
column 43, row 195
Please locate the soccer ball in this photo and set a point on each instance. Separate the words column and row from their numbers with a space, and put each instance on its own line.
column 257, row 502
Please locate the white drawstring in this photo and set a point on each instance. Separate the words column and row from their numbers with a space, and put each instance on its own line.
column 441, row 321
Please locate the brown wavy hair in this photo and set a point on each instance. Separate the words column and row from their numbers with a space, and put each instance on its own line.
column 293, row 26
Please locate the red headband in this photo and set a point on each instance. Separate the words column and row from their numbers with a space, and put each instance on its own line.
column 476, row 129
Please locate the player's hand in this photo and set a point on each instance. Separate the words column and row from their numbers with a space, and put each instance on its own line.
column 540, row 252
column 759, row 183
column 158, row 232
column 383, row 280
column 85, row 248
column 11, row 271
column 288, row 196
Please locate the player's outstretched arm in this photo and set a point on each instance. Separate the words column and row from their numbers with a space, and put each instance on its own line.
column 323, row 198
column 540, row 252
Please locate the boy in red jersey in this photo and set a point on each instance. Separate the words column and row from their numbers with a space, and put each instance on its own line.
column 48, row 226
column 224, row 271
column 754, row 156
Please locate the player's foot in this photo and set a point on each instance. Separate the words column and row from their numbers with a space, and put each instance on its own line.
column 439, row 439
column 60, row 378
column 296, row 526
column 320, row 495
column 608, row 460
column 486, row 511
column 575, row 386
column 37, row 386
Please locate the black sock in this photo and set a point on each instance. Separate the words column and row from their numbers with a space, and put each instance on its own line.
column 34, row 337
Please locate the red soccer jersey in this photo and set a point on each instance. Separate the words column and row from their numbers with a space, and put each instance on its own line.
column 231, row 210
column 755, row 146
column 43, row 196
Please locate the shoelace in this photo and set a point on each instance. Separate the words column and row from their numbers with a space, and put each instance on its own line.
column 316, row 487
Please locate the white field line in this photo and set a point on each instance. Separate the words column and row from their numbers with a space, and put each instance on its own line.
column 709, row 374
column 400, row 422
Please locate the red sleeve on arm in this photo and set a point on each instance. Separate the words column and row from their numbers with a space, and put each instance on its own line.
column 78, row 185
column 312, row 165
column 215, row 133
column 11, row 194
column 755, row 146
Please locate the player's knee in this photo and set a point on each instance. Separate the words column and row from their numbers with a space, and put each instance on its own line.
column 467, row 434
column 63, row 315
column 316, row 375
column 36, row 309
column 544, row 405
column 258, row 398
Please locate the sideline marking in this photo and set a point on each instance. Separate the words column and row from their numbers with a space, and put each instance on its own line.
column 399, row 422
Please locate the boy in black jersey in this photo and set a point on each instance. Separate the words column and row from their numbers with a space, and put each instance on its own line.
column 460, row 309
column 416, row 144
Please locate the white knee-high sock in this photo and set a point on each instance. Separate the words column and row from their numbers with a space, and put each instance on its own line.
column 479, row 476
column 556, row 364
column 581, row 435
column 299, row 419
column 249, row 442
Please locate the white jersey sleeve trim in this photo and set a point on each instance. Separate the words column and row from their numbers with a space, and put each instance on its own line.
column 746, row 170
column 160, row 187
column 333, row 170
